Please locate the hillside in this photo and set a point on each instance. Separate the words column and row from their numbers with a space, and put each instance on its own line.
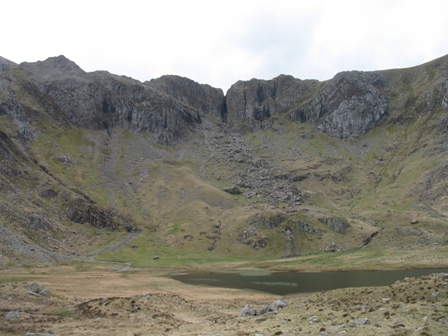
column 104, row 166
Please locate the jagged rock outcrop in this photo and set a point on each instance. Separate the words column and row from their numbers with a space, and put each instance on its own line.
column 337, row 224
column 255, row 101
column 81, row 211
column 100, row 100
column 203, row 97
column 302, row 226
column 348, row 105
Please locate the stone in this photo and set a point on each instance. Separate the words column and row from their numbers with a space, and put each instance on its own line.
column 12, row 315
column 35, row 288
column 337, row 224
column 414, row 221
column 278, row 304
column 39, row 222
column 435, row 294
column 49, row 193
column 246, row 311
column 233, row 190
column 336, row 327
column 45, row 292
column 362, row 321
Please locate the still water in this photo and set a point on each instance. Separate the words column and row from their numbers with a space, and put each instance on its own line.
column 282, row 283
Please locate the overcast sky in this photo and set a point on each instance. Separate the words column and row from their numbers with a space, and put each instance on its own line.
column 221, row 42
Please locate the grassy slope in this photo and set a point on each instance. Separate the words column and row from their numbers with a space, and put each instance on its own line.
column 175, row 193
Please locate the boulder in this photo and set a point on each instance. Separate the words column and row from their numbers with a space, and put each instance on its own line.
column 37, row 221
column 45, row 292
column 35, row 288
column 233, row 190
column 278, row 304
column 12, row 315
column 246, row 311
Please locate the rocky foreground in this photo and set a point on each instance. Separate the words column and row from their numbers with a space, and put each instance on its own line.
column 413, row 306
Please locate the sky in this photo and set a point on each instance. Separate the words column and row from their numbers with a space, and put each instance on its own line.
column 221, row 42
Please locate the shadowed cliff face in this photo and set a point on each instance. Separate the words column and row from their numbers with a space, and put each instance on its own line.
column 100, row 100
column 348, row 105
column 256, row 100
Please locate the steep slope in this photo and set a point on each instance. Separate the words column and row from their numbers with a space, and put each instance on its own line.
column 103, row 165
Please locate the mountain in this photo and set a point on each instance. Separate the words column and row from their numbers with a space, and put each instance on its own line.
column 100, row 165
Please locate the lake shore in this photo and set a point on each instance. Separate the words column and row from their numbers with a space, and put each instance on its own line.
column 101, row 298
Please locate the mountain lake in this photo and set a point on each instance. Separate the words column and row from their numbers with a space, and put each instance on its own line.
column 283, row 283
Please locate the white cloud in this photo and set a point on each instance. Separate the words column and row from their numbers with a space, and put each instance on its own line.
column 221, row 42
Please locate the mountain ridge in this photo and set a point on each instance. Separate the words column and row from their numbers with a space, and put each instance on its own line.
column 273, row 168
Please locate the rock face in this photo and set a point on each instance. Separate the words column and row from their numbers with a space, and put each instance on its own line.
column 255, row 101
column 337, row 224
column 203, row 97
column 350, row 104
column 100, row 100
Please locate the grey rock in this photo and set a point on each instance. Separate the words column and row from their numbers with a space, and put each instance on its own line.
column 274, row 306
column 233, row 190
column 37, row 221
column 35, row 288
column 40, row 334
column 12, row 315
column 414, row 221
column 332, row 248
column 100, row 100
column 255, row 101
column 307, row 228
column 336, row 327
column 246, row 311
column 435, row 294
column 49, row 193
column 362, row 321
column 350, row 104
column 200, row 96
column 45, row 292
column 337, row 224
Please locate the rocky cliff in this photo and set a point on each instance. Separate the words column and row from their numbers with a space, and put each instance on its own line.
column 100, row 100
column 349, row 105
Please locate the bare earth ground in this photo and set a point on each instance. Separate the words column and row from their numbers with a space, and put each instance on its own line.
column 99, row 300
